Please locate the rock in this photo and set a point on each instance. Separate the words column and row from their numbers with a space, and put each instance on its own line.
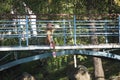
column 115, row 78
column 79, row 73
column 26, row 76
column 82, row 73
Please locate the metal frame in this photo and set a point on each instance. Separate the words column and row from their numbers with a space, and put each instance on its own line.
column 60, row 53
column 102, row 26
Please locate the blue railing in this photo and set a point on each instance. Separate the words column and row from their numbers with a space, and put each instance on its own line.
column 23, row 30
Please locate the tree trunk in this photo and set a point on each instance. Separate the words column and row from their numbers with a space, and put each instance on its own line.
column 98, row 69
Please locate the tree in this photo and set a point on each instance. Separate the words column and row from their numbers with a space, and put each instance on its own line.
column 68, row 7
column 98, row 69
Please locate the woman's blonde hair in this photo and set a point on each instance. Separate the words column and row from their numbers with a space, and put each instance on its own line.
column 49, row 26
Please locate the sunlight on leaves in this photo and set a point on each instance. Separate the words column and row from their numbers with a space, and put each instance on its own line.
column 117, row 2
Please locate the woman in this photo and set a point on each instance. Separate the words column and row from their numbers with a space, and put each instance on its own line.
column 50, row 40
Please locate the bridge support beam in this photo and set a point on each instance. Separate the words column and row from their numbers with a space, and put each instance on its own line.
column 61, row 53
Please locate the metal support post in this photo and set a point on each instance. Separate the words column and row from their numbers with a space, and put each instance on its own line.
column 74, row 30
column 64, row 31
column 119, row 28
column 75, row 58
column 27, row 42
column 19, row 32
column 106, row 36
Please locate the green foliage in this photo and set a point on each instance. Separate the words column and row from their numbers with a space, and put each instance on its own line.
column 5, row 6
column 62, row 6
column 55, row 7
column 82, row 58
column 117, row 2
column 9, row 42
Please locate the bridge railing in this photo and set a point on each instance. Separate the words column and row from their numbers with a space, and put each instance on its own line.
column 26, row 31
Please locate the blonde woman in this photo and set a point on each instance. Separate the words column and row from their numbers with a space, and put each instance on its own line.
column 49, row 31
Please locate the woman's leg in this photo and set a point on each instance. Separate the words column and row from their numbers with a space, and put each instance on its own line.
column 54, row 51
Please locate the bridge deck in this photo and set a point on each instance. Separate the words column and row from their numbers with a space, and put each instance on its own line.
column 36, row 47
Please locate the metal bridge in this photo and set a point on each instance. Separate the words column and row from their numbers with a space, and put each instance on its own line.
column 23, row 40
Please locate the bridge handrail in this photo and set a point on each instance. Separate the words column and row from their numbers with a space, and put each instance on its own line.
column 79, row 28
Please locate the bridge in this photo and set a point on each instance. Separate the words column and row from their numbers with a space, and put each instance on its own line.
column 72, row 36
